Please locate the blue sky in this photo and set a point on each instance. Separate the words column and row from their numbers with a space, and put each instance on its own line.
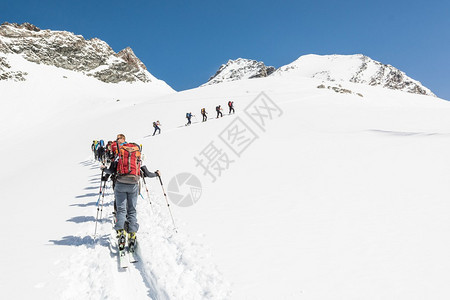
column 185, row 42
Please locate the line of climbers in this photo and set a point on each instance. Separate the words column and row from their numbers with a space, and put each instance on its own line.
column 219, row 109
column 104, row 153
column 189, row 115
column 125, row 171
column 100, row 151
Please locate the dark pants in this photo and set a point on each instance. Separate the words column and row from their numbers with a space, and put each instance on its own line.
column 189, row 121
column 204, row 117
column 231, row 109
column 219, row 113
column 157, row 128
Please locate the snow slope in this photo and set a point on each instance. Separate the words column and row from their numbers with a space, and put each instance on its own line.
column 340, row 197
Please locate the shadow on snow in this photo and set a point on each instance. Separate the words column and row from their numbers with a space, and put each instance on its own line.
column 91, row 188
column 90, row 204
column 85, row 219
column 406, row 133
column 87, row 195
column 87, row 241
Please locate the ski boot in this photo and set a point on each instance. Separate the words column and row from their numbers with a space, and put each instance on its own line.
column 121, row 236
column 114, row 218
column 131, row 241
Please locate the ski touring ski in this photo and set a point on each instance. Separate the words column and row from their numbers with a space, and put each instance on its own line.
column 132, row 255
column 123, row 261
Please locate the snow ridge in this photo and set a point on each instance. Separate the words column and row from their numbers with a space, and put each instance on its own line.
column 66, row 50
column 346, row 68
column 352, row 68
column 240, row 69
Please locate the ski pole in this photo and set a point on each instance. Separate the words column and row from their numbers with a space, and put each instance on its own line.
column 103, row 197
column 148, row 195
column 99, row 195
column 168, row 206
column 98, row 210
column 100, row 192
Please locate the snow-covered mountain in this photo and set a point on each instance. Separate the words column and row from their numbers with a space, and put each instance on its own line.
column 307, row 193
column 352, row 68
column 240, row 69
column 326, row 194
column 66, row 50
column 341, row 68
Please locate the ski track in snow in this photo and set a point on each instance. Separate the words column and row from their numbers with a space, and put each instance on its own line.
column 169, row 266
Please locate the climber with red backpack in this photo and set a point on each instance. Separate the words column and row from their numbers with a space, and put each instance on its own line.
column 231, row 107
column 127, row 171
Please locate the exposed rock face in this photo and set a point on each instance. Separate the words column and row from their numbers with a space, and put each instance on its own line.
column 69, row 51
column 130, row 58
column 7, row 74
column 240, row 69
column 354, row 68
column 339, row 89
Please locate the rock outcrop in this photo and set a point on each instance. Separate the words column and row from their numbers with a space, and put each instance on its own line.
column 66, row 50
column 240, row 69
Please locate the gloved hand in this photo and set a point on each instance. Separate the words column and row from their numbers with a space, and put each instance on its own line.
column 147, row 173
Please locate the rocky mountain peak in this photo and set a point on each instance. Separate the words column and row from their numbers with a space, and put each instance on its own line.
column 240, row 69
column 128, row 55
column 26, row 26
column 66, row 50
column 356, row 68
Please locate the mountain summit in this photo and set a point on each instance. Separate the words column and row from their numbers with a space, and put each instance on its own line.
column 344, row 68
column 66, row 50
column 240, row 69
column 352, row 68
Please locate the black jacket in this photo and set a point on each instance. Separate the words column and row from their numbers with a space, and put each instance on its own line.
column 129, row 179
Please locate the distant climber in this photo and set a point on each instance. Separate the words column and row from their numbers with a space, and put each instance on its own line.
column 156, row 126
column 231, row 107
column 204, row 113
column 188, row 116
column 218, row 110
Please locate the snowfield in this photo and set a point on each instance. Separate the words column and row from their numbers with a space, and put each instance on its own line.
column 336, row 197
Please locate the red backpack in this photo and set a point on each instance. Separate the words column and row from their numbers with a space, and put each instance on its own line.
column 129, row 160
